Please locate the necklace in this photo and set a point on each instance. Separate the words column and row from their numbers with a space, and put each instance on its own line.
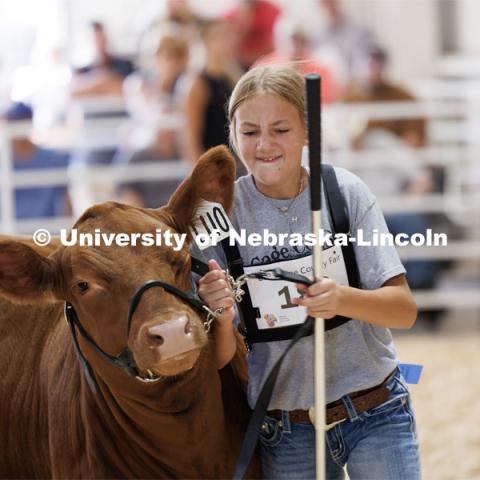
column 285, row 209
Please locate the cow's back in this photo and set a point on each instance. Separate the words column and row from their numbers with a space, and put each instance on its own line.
column 24, row 330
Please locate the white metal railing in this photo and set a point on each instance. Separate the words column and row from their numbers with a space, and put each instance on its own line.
column 447, row 89
column 428, row 109
column 7, row 207
column 98, row 133
column 53, row 225
column 146, row 172
column 430, row 155
column 454, row 250
column 468, row 203
column 453, row 122
column 450, row 299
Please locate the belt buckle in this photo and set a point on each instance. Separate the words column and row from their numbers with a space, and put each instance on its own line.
column 328, row 426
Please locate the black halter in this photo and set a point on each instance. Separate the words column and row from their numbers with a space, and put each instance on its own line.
column 124, row 359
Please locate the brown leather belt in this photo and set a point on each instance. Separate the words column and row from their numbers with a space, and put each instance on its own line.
column 362, row 400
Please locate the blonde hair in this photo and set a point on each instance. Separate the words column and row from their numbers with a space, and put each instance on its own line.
column 283, row 81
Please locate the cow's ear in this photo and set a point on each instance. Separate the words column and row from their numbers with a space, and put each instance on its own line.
column 26, row 276
column 212, row 179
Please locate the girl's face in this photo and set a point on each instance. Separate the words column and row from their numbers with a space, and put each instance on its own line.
column 270, row 136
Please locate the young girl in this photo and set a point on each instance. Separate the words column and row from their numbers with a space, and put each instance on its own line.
column 371, row 427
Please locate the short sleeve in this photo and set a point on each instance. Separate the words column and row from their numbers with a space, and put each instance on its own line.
column 376, row 263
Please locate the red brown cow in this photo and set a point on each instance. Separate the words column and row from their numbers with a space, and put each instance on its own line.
column 172, row 422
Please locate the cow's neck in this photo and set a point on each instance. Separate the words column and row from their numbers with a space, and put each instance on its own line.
column 172, row 426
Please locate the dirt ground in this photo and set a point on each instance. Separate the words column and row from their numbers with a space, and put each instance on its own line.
column 447, row 400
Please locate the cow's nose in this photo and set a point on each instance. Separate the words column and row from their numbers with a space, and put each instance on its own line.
column 172, row 337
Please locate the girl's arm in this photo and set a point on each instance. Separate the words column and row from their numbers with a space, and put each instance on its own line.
column 390, row 306
column 215, row 291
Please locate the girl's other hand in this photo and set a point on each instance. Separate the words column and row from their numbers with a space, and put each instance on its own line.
column 322, row 299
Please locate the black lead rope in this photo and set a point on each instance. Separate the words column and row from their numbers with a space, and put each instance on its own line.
column 260, row 410
column 87, row 369
column 263, row 400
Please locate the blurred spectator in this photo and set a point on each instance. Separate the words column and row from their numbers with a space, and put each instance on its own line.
column 102, row 79
column 105, row 75
column 175, row 13
column 399, row 176
column 254, row 21
column 293, row 42
column 397, row 137
column 152, row 98
column 44, row 84
column 342, row 43
column 18, row 111
column 421, row 274
column 375, row 87
column 178, row 11
column 206, row 99
column 36, row 202
column 39, row 202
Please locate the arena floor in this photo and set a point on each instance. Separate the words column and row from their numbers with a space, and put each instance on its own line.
column 447, row 399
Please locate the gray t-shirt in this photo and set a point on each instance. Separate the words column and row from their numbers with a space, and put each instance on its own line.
column 358, row 355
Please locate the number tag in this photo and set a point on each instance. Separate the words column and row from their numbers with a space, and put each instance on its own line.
column 210, row 222
column 274, row 298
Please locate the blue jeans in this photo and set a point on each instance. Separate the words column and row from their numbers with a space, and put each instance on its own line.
column 379, row 444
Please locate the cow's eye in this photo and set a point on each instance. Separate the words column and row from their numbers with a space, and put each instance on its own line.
column 82, row 286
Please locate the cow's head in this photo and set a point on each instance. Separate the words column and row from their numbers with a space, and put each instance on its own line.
column 167, row 334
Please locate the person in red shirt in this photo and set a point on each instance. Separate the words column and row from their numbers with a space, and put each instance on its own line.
column 254, row 21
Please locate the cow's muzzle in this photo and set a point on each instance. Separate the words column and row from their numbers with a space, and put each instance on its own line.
column 170, row 338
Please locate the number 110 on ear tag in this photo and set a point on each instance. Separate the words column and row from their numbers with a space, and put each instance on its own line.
column 210, row 224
